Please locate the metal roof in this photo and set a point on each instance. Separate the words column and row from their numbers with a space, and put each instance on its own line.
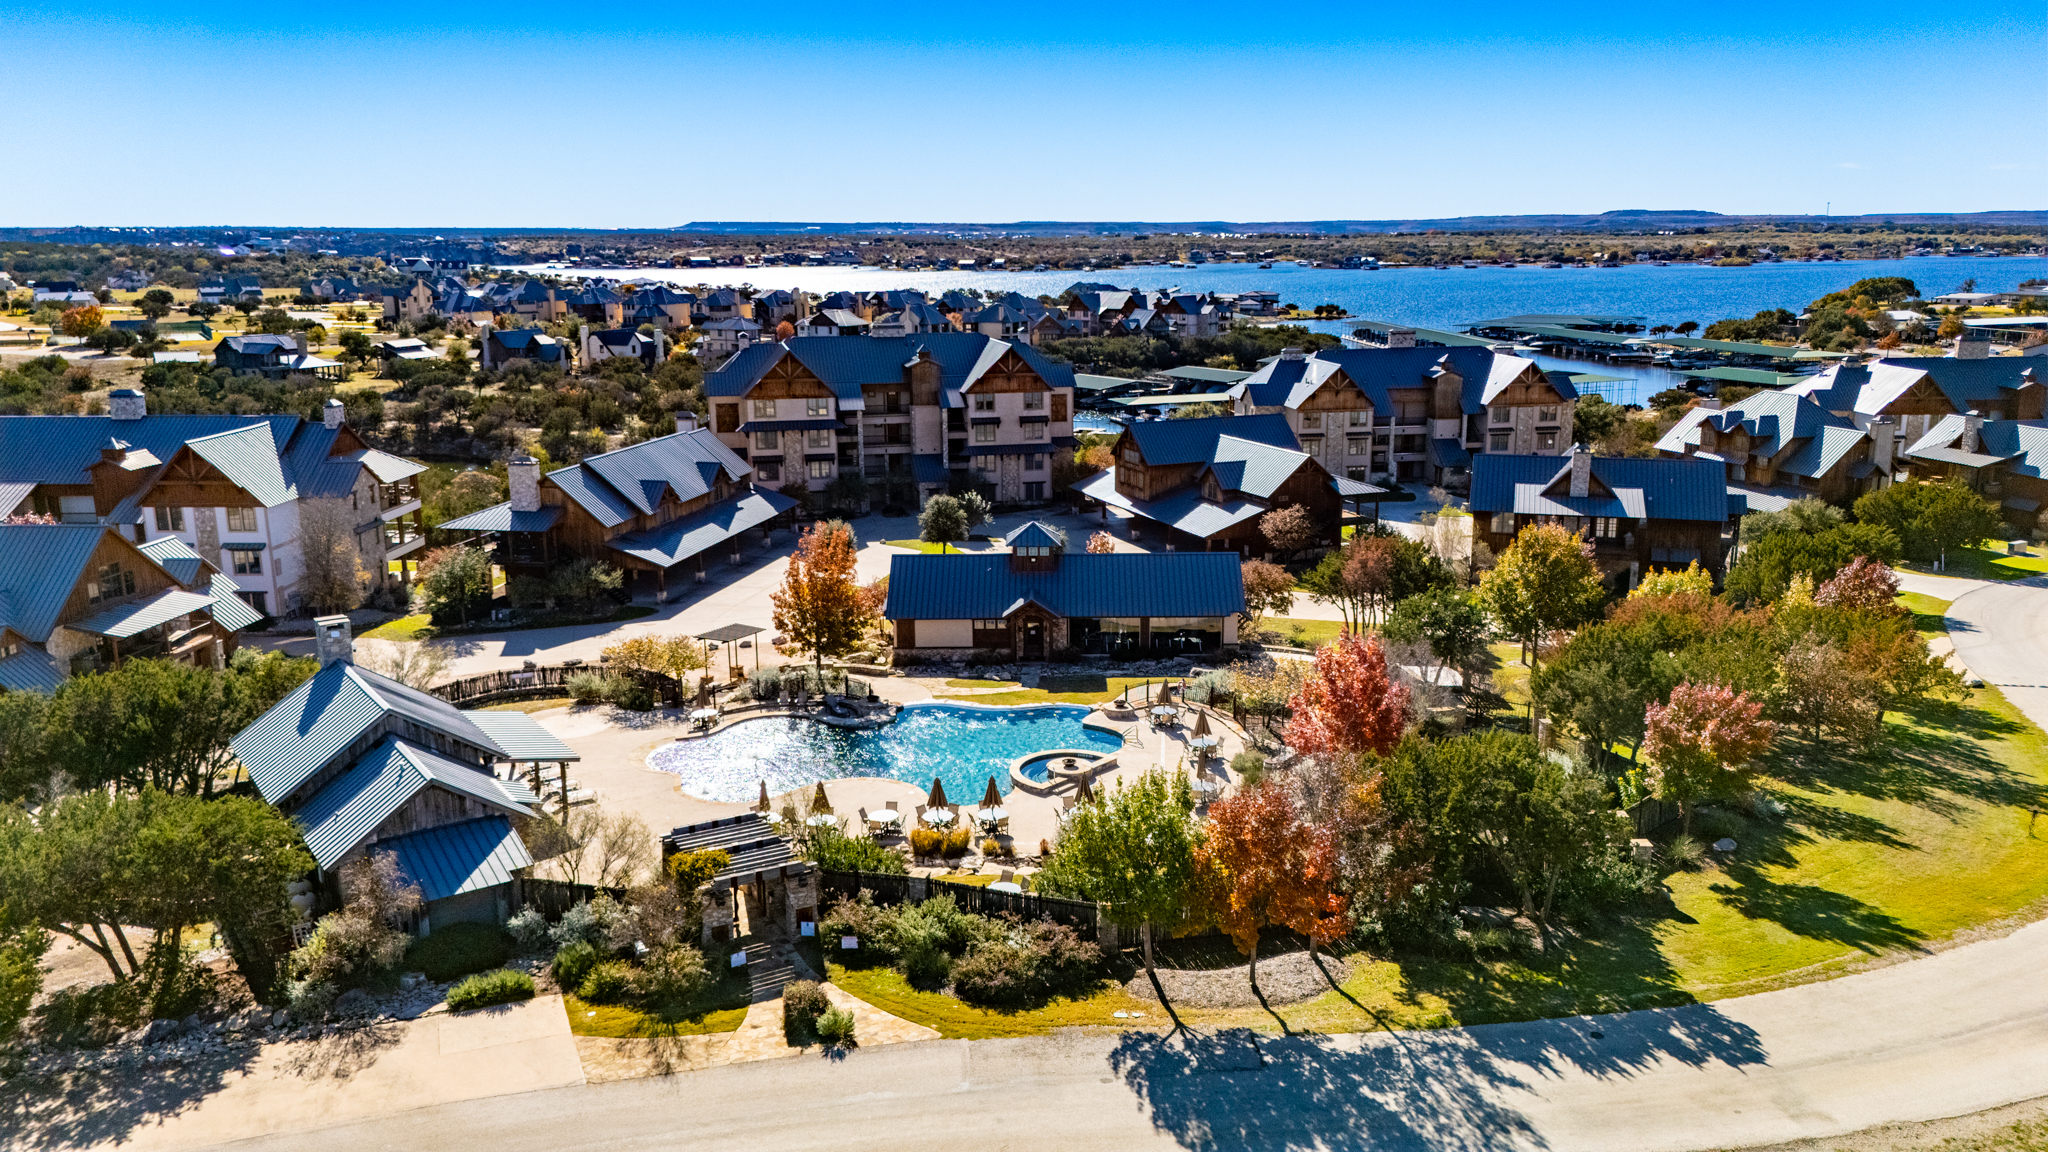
column 457, row 858
column 1669, row 489
column 751, row 841
column 1731, row 347
column 353, row 804
column 1448, row 339
column 1192, row 441
column 302, row 733
column 1958, row 457
column 728, row 633
column 249, row 457
column 1251, row 467
column 686, row 536
column 229, row 610
column 174, row 556
column 501, row 518
column 1032, row 534
column 1185, row 511
column 142, row 615
column 59, row 449
column 965, row 586
column 1763, row 376
column 12, row 494
column 30, row 670
column 845, row 363
column 522, row 737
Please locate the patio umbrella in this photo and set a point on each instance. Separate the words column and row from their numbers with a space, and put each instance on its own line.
column 703, row 695
column 1084, row 794
column 991, row 798
column 938, row 797
column 818, row 801
column 1201, row 724
column 763, row 806
column 1165, row 692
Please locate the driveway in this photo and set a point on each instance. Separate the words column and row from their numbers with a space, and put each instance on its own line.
column 2001, row 631
column 1958, row 1032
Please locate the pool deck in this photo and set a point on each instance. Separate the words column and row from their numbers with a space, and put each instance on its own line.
column 614, row 747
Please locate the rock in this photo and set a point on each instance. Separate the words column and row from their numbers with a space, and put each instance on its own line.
column 411, row 980
column 193, row 1023
column 1724, row 844
column 354, row 1002
column 280, row 1018
column 158, row 1031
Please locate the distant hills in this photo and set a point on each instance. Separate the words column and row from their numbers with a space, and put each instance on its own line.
column 1623, row 220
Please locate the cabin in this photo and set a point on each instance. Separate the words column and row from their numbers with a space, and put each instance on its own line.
column 1640, row 515
column 1202, row 484
column 1779, row 445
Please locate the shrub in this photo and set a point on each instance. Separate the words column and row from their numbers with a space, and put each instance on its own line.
column 998, row 974
column 458, row 950
column 90, row 1014
column 986, row 658
column 926, row 842
column 991, row 847
column 606, row 983
column 676, row 974
column 1249, row 766
column 909, row 660
column 488, row 988
column 835, row 1027
column 955, row 844
column 529, row 930
column 631, row 695
column 1492, row 940
column 802, row 1003
column 1684, row 852
column 940, row 923
column 765, row 683
column 835, row 850
column 587, row 687
column 926, row 965
column 573, row 963
column 1209, row 688
column 863, row 920
column 1065, row 654
column 310, row 1000
column 591, row 922
column 1030, row 962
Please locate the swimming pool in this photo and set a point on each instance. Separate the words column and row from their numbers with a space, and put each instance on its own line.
column 961, row 745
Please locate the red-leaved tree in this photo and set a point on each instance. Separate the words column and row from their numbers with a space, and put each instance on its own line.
column 1864, row 585
column 1263, row 865
column 1700, row 744
column 1350, row 702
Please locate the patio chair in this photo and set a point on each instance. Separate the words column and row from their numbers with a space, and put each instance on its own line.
column 1006, row 877
column 863, row 813
column 891, row 806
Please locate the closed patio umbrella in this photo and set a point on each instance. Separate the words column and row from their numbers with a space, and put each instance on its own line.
column 938, row 797
column 1084, row 793
column 763, row 805
column 703, row 695
column 991, row 798
column 1201, row 724
column 1165, row 693
column 818, row 801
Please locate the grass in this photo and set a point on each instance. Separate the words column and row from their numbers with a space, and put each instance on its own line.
column 420, row 628
column 919, row 546
column 1302, row 633
column 529, row 705
column 885, row 988
column 719, row 1008
column 403, row 628
column 1990, row 564
column 1077, row 689
column 1928, row 612
column 982, row 684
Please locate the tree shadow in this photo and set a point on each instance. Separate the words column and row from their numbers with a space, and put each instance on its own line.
column 1936, row 762
column 1816, row 913
column 1446, row 1090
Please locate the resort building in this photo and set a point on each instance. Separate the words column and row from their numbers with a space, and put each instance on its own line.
column 1778, row 447
column 1202, row 484
column 1916, row 392
column 1640, row 515
column 930, row 410
column 2004, row 461
column 1409, row 414
column 237, row 490
column 650, row 508
column 79, row 598
column 1038, row 601
column 365, row 764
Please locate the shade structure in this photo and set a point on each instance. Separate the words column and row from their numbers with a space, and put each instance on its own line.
column 991, row 798
column 818, row 801
column 762, row 805
column 1201, row 724
column 938, row 797
column 1165, row 692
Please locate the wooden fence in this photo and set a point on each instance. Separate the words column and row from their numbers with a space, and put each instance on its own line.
column 1650, row 814
column 555, row 897
column 1083, row 915
column 552, row 680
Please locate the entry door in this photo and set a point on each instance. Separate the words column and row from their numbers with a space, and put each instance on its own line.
column 1034, row 640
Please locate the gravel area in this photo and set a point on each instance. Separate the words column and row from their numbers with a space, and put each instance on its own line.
column 1285, row 979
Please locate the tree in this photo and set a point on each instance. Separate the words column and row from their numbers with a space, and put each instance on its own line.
column 1767, row 567
column 1101, row 543
column 1267, row 588
column 161, row 724
column 1693, row 580
column 943, row 521
column 1533, row 817
column 82, row 321
column 820, row 606
column 22, row 947
column 1349, row 703
column 334, row 573
column 413, row 663
column 1824, row 691
column 1133, row 852
column 672, row 656
column 1687, row 328
column 1261, row 864
column 1289, row 529
column 456, row 581
column 1544, row 581
column 1449, row 620
column 1700, row 745
column 357, row 347
column 1930, row 520
column 25, row 766
column 1863, row 586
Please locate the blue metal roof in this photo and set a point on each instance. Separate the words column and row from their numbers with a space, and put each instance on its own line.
column 142, row 615
column 39, row 566
column 845, row 363
column 501, row 518
column 174, row 556
column 353, row 804
column 1032, row 534
column 1664, row 489
column 318, row 720
column 59, row 449
column 971, row 586
column 457, row 858
column 1184, row 511
column 30, row 670
column 1189, row 441
column 1252, row 467
column 930, row 469
column 686, row 536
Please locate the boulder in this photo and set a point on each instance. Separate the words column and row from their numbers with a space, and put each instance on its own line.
column 354, row 1002
column 1724, row 844
column 158, row 1031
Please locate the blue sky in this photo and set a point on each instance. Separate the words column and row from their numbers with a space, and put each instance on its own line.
column 520, row 114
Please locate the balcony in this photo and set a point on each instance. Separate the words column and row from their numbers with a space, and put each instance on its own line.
column 401, row 537
column 397, row 494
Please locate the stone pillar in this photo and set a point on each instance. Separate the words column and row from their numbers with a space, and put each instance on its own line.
column 331, row 641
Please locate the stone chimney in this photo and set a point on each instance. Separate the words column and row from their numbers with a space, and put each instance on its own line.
column 584, row 352
column 522, row 474
column 1973, row 344
column 686, row 421
column 330, row 413
column 660, row 347
column 331, row 641
column 126, row 404
column 1400, row 337
column 1582, row 473
column 299, row 342
column 483, row 346
column 1708, row 403
column 1290, row 354
column 1973, row 425
column 1884, row 443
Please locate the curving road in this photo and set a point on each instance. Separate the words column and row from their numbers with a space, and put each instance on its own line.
column 2001, row 631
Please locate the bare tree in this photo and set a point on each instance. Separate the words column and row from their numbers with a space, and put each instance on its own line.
column 412, row 663
column 335, row 574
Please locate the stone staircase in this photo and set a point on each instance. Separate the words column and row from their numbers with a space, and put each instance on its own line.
column 769, row 968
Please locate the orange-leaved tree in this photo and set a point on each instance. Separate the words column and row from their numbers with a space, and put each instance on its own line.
column 1700, row 744
column 1263, row 864
column 820, row 607
column 1350, row 702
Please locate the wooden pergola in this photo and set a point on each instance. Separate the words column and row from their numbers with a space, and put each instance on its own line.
column 733, row 634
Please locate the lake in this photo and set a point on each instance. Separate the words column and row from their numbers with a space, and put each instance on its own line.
column 1431, row 298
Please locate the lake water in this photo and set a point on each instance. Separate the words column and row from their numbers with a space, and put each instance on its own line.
column 1430, row 298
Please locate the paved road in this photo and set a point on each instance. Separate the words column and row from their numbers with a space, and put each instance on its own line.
column 1958, row 1032
column 2001, row 631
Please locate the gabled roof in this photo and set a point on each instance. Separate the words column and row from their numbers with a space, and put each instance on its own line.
column 686, row 536
column 616, row 486
column 353, row 804
column 1981, row 384
column 965, row 586
column 1195, row 441
column 125, row 620
column 30, row 670
column 300, row 734
column 40, row 564
column 1251, row 467
column 1284, row 382
column 501, row 518
column 1485, row 373
column 1772, row 420
column 845, row 363
column 174, row 556
column 522, row 737
column 249, row 457
column 1032, row 534
column 60, row 449
column 1659, row 489
column 1862, row 388
column 1185, row 510
column 2024, row 442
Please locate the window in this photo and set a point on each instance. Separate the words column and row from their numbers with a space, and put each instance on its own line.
column 1034, row 431
column 821, row 469
column 764, row 409
column 989, row 625
column 170, row 519
column 1607, row 527
column 1034, row 489
column 984, row 403
column 1358, row 445
column 770, row 471
column 816, row 407
column 1501, row 414
column 1498, row 442
column 1311, row 419
column 1546, row 441
column 241, row 520
column 1504, row 523
column 1547, row 415
column 254, row 600
column 1132, row 455
column 765, row 441
column 113, row 581
column 1361, row 418
column 819, row 437
column 248, row 563
column 1034, row 401
column 985, row 433
column 1034, row 463
column 1313, row 445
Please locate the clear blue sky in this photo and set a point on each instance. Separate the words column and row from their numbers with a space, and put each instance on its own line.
column 593, row 115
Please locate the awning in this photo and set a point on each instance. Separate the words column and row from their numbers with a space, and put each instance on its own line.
column 986, row 420
column 930, row 469
column 820, row 457
column 726, row 634
column 244, row 546
column 2022, row 504
column 229, row 610
column 129, row 619
column 1029, row 419
column 1007, row 449
column 682, row 538
column 501, row 518
column 522, row 737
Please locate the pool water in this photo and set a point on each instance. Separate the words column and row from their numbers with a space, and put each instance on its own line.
column 962, row 746
column 1038, row 769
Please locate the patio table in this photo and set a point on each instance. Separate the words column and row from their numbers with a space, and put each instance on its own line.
column 939, row 816
column 885, row 816
column 1006, row 886
column 821, row 819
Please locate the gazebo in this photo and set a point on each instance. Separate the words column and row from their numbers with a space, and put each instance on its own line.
column 733, row 634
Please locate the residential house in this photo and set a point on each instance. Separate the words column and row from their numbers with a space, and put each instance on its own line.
column 1203, row 483
column 911, row 409
column 233, row 488
column 275, row 357
column 915, row 318
column 1193, row 315
column 598, row 303
column 338, row 288
column 77, row 598
column 407, row 303
column 393, row 348
column 365, row 765
column 1916, row 392
column 597, row 347
column 1037, row 601
column 128, row 280
column 649, row 508
column 496, row 349
column 660, row 305
column 773, row 307
column 724, row 339
column 2005, row 461
column 725, row 304
column 1639, row 514
column 228, row 289
column 1000, row 321
column 832, row 322
column 1778, row 446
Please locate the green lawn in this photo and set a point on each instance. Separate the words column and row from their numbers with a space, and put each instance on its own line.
column 981, row 684
column 419, row 627
column 1301, row 633
column 1990, row 564
column 1928, row 612
column 403, row 628
column 1077, row 689
column 919, row 546
column 720, row 1008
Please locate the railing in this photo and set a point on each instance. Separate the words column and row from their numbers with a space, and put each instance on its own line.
column 397, row 494
column 514, row 683
column 1083, row 915
column 401, row 533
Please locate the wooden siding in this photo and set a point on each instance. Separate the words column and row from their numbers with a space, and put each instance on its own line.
column 1009, row 374
column 114, row 549
column 188, row 481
